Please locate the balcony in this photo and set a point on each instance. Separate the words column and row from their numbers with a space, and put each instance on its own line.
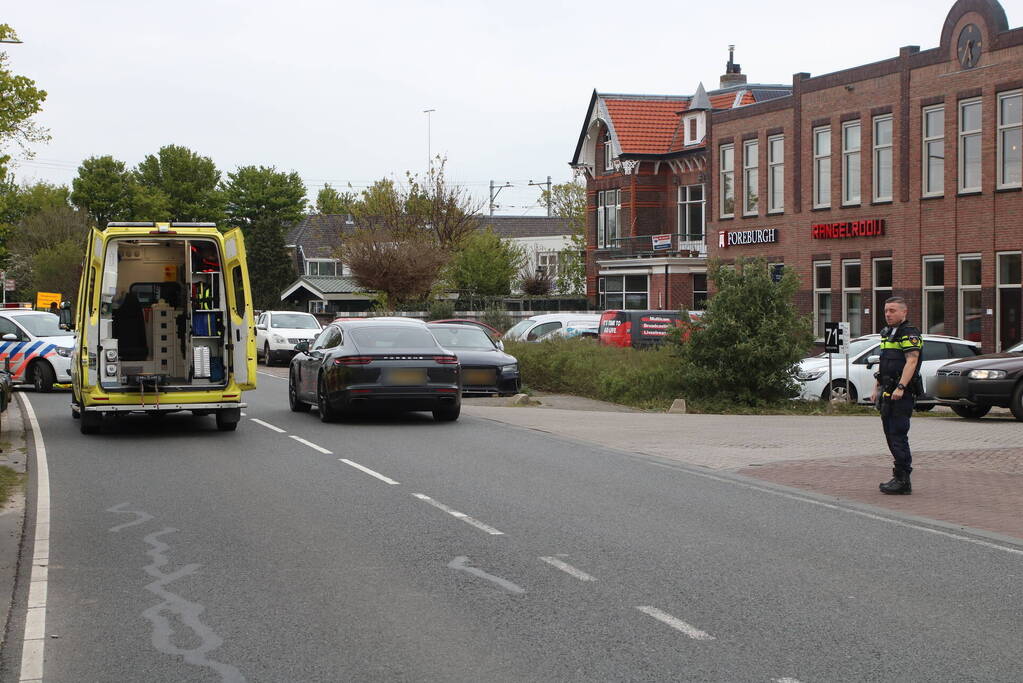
column 642, row 246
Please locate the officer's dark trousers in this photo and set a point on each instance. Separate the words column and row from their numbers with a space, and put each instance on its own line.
column 895, row 418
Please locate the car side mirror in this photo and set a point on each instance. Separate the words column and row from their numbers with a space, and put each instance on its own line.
column 260, row 327
column 872, row 361
column 9, row 337
column 499, row 344
column 302, row 347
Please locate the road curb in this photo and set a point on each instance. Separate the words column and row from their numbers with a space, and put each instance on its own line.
column 12, row 515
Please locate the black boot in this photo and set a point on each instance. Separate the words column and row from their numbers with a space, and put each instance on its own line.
column 899, row 484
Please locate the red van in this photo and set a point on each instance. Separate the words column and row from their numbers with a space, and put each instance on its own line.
column 638, row 328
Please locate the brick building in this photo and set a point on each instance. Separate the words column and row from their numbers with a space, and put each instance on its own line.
column 901, row 177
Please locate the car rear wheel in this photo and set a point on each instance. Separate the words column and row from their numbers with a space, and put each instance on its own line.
column 227, row 419
column 43, row 377
column 327, row 412
column 90, row 422
column 971, row 412
column 297, row 405
column 447, row 413
column 838, row 391
column 1017, row 402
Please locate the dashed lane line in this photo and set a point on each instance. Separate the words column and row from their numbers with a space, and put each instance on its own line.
column 568, row 569
column 270, row 374
column 362, row 468
column 34, row 641
column 675, row 623
column 321, row 449
column 459, row 515
column 269, row 426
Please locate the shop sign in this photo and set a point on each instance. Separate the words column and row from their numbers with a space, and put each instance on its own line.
column 731, row 238
column 871, row 227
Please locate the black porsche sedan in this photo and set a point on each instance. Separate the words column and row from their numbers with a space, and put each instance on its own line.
column 392, row 364
column 971, row 386
column 486, row 368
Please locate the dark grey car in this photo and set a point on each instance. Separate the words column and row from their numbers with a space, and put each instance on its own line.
column 486, row 368
column 371, row 365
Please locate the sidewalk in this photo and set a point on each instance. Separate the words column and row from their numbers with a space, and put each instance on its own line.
column 967, row 473
column 13, row 454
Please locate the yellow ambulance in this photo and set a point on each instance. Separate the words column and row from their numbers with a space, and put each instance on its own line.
column 163, row 323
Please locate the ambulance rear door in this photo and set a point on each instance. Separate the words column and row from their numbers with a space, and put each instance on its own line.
column 242, row 332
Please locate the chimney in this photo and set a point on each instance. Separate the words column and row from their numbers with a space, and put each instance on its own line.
column 733, row 72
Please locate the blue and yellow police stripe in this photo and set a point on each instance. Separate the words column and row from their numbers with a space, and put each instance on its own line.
column 23, row 353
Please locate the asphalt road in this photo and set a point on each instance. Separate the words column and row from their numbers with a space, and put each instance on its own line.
column 477, row 551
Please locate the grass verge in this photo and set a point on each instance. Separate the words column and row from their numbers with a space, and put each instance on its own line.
column 10, row 481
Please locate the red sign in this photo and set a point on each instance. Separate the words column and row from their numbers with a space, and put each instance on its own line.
column 871, row 227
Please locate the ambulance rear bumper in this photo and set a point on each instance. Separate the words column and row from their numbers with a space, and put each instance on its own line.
column 163, row 407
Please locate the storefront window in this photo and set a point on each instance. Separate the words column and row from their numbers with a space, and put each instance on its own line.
column 883, row 159
column 882, row 290
column 851, row 162
column 971, row 310
column 821, row 167
column 1010, row 299
column 934, row 295
column 821, row 296
column 1010, row 139
column 969, row 145
column 852, row 297
column 934, row 151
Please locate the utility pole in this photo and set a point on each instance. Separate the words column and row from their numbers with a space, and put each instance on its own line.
column 494, row 191
column 429, row 151
column 548, row 186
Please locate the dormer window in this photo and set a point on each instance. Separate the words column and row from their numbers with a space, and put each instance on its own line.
column 608, row 164
column 695, row 130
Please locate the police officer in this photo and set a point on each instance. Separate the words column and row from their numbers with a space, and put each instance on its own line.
column 898, row 384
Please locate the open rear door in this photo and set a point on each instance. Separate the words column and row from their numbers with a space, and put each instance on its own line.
column 86, row 358
column 242, row 332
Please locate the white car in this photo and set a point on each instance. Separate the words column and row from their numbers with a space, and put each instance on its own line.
column 813, row 372
column 277, row 332
column 550, row 325
column 36, row 348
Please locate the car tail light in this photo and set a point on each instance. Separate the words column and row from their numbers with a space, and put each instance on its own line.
column 353, row 360
column 446, row 360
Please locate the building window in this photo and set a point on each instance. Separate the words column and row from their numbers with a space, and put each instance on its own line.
column 851, row 162
column 1010, row 299
column 608, row 207
column 321, row 267
column 601, row 221
column 969, row 145
column 694, row 129
column 821, row 167
column 852, row 297
column 727, row 181
column 317, row 306
column 934, row 151
column 821, row 296
column 883, row 159
column 625, row 292
column 1010, row 139
column 750, row 177
column 934, row 295
column 699, row 291
column 691, row 213
column 776, row 174
column 882, row 290
column 971, row 309
column 547, row 263
column 608, row 158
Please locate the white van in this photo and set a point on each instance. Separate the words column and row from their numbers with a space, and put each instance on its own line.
column 549, row 325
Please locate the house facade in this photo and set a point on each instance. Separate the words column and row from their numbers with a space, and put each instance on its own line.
column 897, row 178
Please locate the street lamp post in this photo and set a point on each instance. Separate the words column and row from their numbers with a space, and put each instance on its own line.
column 429, row 152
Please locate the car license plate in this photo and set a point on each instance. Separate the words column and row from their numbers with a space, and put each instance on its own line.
column 479, row 377
column 406, row 376
column 946, row 388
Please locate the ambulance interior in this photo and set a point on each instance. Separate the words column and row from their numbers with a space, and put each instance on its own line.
column 162, row 319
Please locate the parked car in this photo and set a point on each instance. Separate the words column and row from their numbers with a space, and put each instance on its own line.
column 277, row 332
column 813, row 372
column 639, row 328
column 38, row 350
column 486, row 368
column 971, row 386
column 375, row 364
column 547, row 325
column 492, row 332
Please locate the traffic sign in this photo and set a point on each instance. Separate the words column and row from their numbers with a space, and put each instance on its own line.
column 836, row 337
column 10, row 285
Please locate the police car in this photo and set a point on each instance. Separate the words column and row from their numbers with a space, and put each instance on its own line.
column 37, row 350
column 812, row 373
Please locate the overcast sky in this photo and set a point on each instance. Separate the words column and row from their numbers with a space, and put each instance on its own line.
column 336, row 90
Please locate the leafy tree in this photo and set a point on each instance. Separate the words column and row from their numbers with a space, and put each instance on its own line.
column 20, row 100
column 568, row 201
column 103, row 188
column 330, row 201
column 189, row 181
column 486, row 265
column 401, row 268
column 57, row 268
column 260, row 194
column 270, row 269
column 46, row 251
column 747, row 344
column 47, row 228
column 18, row 202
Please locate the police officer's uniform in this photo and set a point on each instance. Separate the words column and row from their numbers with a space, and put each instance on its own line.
column 895, row 415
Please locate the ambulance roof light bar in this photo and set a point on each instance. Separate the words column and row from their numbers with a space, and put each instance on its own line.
column 177, row 224
column 131, row 224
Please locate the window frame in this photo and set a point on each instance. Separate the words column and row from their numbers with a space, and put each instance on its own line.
column 848, row 154
column 962, row 289
column 751, row 177
column 319, row 262
column 685, row 201
column 1001, row 128
column 601, row 221
column 963, row 136
column 878, row 149
column 817, row 291
column 928, row 140
column 819, row 133
column 999, row 286
column 726, row 171
column 847, row 291
column 878, row 315
column 701, row 295
column 927, row 289
column 775, row 165
column 609, row 163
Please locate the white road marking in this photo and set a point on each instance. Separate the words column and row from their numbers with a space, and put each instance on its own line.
column 839, row 508
column 33, row 646
column 462, row 564
column 321, row 449
column 568, row 569
column 785, row 680
column 269, row 426
column 243, row 414
column 459, row 515
column 269, row 374
column 368, row 471
column 675, row 623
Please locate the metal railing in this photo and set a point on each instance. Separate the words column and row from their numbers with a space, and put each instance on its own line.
column 643, row 245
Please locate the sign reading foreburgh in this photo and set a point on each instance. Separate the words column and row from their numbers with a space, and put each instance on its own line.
column 731, row 238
